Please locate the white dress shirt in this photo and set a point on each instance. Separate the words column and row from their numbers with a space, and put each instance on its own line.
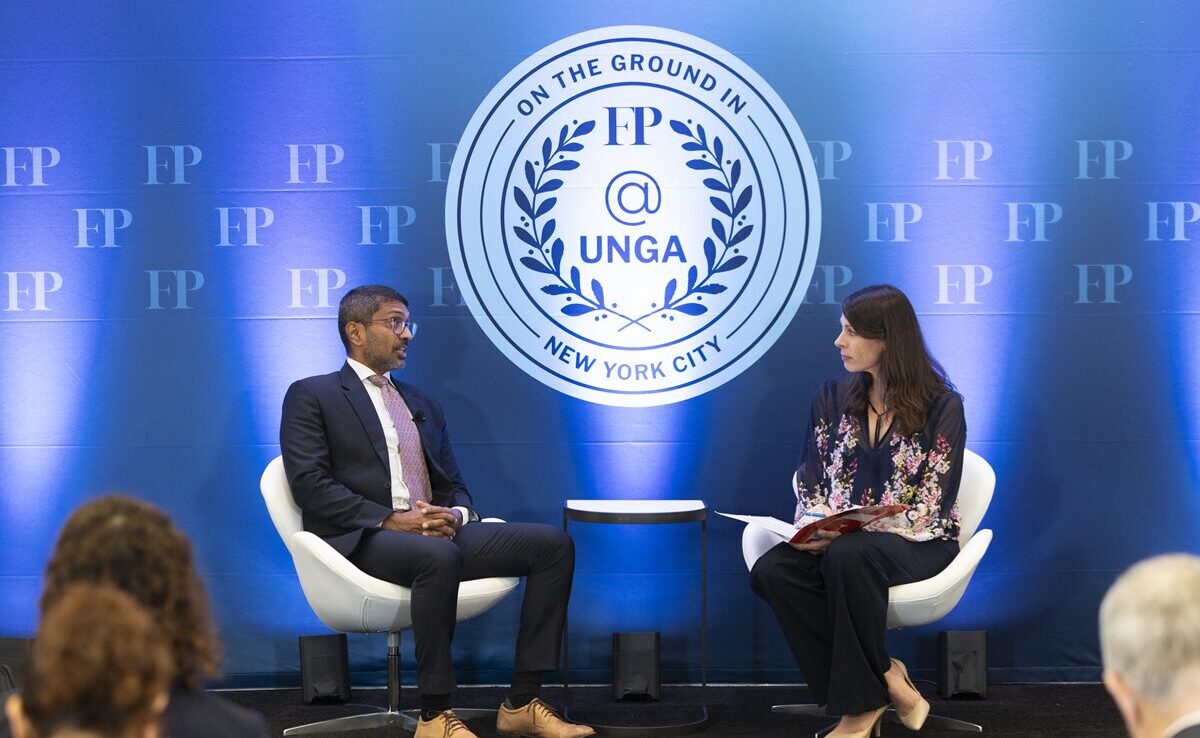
column 401, row 499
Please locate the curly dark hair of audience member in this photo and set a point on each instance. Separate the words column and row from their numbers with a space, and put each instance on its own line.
column 132, row 545
column 913, row 377
column 98, row 665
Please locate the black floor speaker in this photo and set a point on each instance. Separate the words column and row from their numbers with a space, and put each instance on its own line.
column 324, row 669
column 636, row 666
column 962, row 663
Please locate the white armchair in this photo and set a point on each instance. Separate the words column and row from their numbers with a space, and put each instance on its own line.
column 923, row 602
column 349, row 601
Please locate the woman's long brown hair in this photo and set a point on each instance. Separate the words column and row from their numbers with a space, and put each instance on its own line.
column 913, row 377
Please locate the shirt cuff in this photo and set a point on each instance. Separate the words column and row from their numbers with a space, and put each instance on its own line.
column 464, row 515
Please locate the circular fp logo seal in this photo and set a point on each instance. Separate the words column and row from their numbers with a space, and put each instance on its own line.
column 633, row 216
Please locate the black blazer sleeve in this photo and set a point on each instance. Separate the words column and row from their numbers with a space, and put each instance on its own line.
column 944, row 463
column 196, row 714
column 304, row 440
column 811, row 488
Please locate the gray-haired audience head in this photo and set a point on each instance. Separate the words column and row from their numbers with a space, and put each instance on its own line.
column 1150, row 643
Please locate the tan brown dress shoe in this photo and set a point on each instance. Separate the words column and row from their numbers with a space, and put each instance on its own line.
column 445, row 725
column 536, row 720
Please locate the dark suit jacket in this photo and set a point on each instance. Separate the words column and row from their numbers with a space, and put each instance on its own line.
column 1192, row 731
column 335, row 455
column 193, row 713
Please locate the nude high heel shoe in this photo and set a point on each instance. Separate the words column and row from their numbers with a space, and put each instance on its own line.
column 916, row 716
column 871, row 730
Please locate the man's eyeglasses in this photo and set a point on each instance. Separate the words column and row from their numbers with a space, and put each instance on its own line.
column 397, row 325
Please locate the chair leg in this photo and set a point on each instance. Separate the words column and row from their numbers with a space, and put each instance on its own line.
column 370, row 721
column 393, row 668
column 939, row 722
column 393, row 716
column 935, row 722
column 808, row 710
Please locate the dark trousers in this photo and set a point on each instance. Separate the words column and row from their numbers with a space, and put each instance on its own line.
column 433, row 567
column 833, row 609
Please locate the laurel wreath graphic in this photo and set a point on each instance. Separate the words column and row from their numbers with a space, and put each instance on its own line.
column 545, row 256
column 549, row 255
column 729, row 204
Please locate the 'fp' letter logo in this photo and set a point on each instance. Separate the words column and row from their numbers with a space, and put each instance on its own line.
column 26, row 165
column 315, row 159
column 170, row 163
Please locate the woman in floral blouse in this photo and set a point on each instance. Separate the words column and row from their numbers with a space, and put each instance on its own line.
column 890, row 430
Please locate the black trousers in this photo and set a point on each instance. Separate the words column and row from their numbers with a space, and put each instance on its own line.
column 833, row 609
column 433, row 567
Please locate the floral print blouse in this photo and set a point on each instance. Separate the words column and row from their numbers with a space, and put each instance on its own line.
column 838, row 467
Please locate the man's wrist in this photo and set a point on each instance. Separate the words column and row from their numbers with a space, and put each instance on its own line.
column 461, row 514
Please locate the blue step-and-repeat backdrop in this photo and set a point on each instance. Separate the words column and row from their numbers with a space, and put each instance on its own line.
column 626, row 248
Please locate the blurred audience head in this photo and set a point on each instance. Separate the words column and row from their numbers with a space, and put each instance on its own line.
column 98, row 668
column 1150, row 643
column 133, row 546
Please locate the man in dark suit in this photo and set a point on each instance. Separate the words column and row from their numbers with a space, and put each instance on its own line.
column 1150, row 642
column 370, row 465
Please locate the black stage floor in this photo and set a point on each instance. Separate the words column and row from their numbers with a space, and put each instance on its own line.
column 1010, row 710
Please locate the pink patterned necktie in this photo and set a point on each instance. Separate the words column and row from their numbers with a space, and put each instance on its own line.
column 412, row 459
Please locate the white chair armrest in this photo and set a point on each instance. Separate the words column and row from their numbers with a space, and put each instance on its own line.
column 343, row 596
column 756, row 541
column 925, row 601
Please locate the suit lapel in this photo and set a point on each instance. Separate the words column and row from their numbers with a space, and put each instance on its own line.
column 424, row 430
column 365, row 409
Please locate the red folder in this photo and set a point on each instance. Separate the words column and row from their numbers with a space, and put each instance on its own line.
column 847, row 520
